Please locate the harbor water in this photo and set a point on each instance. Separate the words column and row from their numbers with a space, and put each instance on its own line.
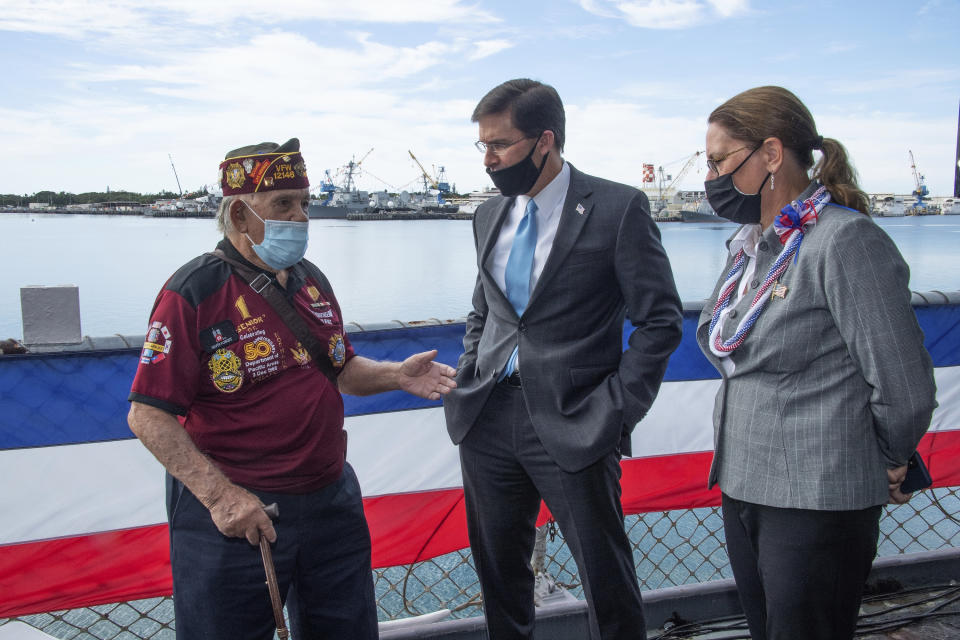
column 380, row 271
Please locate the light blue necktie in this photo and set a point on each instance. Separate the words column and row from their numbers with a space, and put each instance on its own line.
column 519, row 269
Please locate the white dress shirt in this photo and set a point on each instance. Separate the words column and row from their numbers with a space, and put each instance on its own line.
column 549, row 205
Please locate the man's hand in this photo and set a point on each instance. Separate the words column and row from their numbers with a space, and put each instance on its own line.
column 236, row 512
column 895, row 479
column 423, row 377
column 239, row 514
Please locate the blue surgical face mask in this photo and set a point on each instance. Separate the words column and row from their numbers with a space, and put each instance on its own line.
column 284, row 241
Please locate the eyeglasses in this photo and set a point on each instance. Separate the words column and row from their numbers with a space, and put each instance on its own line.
column 497, row 148
column 713, row 164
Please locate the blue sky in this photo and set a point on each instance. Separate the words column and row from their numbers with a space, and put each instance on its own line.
column 97, row 94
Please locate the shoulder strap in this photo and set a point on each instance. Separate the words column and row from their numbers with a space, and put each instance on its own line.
column 314, row 272
column 263, row 285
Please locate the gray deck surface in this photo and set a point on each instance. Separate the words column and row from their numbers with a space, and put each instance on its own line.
column 909, row 597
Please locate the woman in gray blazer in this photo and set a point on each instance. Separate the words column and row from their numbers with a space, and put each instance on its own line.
column 827, row 387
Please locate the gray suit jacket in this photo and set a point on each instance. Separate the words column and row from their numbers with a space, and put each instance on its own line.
column 833, row 385
column 584, row 393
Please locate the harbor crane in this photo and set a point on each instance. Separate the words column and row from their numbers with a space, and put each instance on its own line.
column 686, row 167
column 326, row 184
column 674, row 180
column 440, row 184
column 427, row 180
column 921, row 189
column 179, row 188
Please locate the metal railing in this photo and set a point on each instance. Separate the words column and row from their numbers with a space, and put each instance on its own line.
column 670, row 548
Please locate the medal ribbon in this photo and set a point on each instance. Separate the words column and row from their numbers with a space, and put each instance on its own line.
column 790, row 227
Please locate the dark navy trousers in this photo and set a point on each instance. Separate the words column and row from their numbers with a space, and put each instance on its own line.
column 800, row 573
column 322, row 560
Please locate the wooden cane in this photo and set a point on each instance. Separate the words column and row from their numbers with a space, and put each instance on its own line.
column 273, row 511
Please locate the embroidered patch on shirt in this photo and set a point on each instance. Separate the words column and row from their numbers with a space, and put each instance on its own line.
column 157, row 345
column 225, row 371
column 218, row 336
column 337, row 350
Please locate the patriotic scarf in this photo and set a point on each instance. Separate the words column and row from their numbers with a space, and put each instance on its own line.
column 790, row 226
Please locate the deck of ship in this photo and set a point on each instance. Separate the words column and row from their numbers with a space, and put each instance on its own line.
column 908, row 597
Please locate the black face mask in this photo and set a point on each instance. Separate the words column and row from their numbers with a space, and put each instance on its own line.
column 731, row 203
column 518, row 178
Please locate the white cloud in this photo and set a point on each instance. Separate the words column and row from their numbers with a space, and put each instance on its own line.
column 170, row 84
column 485, row 48
column 80, row 19
column 599, row 7
column 613, row 138
column 283, row 68
column 878, row 144
column 191, row 83
column 728, row 8
column 665, row 14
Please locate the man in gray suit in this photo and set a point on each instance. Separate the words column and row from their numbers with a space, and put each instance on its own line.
column 547, row 397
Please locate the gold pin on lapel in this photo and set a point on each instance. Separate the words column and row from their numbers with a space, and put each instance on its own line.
column 779, row 291
column 580, row 209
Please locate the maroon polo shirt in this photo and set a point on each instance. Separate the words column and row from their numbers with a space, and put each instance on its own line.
column 217, row 355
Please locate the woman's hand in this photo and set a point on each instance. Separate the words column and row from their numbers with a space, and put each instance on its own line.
column 895, row 479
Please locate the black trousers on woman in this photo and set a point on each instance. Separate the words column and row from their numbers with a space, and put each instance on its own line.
column 800, row 573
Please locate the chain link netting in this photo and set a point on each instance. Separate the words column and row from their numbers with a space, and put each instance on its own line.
column 670, row 548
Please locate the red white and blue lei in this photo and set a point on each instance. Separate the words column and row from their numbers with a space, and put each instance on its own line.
column 790, row 226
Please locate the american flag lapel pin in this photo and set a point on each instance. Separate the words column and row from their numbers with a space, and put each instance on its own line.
column 580, row 209
column 779, row 291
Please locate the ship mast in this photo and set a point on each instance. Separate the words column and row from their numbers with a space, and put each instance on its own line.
column 352, row 167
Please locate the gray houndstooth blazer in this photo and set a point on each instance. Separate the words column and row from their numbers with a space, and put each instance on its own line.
column 833, row 385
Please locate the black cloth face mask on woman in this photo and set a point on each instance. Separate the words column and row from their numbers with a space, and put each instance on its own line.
column 731, row 203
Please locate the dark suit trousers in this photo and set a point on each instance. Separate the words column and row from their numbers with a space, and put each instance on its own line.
column 506, row 471
column 800, row 573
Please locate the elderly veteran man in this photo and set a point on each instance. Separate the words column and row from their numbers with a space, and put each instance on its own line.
column 237, row 394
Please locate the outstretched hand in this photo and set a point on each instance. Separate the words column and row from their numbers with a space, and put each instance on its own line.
column 421, row 376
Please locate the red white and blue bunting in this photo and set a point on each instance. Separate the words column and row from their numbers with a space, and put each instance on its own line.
column 83, row 500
